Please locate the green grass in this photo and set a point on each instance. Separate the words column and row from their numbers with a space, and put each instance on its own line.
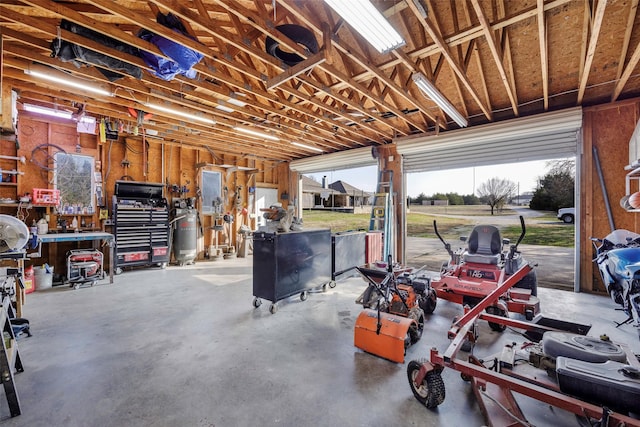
column 420, row 224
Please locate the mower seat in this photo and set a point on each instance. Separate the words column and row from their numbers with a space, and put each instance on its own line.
column 484, row 245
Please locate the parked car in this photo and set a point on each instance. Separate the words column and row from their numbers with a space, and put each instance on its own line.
column 567, row 215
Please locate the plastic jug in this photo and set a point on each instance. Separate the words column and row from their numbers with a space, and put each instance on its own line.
column 43, row 226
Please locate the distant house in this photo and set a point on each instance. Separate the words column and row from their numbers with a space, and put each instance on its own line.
column 522, row 199
column 350, row 196
column 336, row 196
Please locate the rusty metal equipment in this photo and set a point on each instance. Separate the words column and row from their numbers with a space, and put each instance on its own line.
column 495, row 386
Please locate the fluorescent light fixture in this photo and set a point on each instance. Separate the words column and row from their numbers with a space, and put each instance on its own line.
column 225, row 108
column 55, row 76
column 434, row 94
column 256, row 133
column 236, row 102
column 369, row 22
column 308, row 147
column 181, row 113
column 61, row 114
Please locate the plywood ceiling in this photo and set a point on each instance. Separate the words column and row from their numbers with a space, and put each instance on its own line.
column 493, row 60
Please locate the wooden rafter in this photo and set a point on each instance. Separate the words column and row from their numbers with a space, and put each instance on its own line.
column 591, row 49
column 444, row 49
column 544, row 60
column 620, row 82
column 497, row 57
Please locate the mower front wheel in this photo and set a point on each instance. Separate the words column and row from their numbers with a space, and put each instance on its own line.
column 430, row 392
column 497, row 311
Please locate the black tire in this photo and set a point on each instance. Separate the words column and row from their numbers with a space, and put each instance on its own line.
column 428, row 303
column 530, row 281
column 497, row 311
column 567, row 219
column 298, row 34
column 431, row 392
column 332, row 284
column 416, row 329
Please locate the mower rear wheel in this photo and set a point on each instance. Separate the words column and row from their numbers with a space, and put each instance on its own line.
column 497, row 311
column 428, row 303
column 431, row 392
column 530, row 281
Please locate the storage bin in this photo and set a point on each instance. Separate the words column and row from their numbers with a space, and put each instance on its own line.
column 44, row 196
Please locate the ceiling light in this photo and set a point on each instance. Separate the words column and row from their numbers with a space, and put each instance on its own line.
column 52, row 75
column 308, row 147
column 181, row 113
column 236, row 102
column 432, row 93
column 61, row 114
column 369, row 22
column 256, row 133
column 225, row 108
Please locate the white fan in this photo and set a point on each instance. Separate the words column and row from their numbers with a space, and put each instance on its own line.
column 14, row 234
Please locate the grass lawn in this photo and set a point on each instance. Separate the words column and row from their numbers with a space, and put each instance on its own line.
column 545, row 230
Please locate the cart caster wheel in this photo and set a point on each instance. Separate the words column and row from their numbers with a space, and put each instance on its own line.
column 332, row 284
column 304, row 295
column 118, row 271
column 163, row 265
column 93, row 283
column 273, row 308
column 431, row 392
column 76, row 286
column 324, row 288
column 257, row 302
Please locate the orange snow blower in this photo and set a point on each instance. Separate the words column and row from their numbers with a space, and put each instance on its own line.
column 395, row 303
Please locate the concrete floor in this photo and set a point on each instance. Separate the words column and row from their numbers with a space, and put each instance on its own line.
column 185, row 347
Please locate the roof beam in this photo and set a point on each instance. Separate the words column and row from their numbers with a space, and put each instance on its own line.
column 488, row 35
column 591, row 49
column 544, row 59
column 623, row 72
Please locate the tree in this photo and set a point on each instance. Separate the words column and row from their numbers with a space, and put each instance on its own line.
column 557, row 187
column 496, row 192
column 471, row 199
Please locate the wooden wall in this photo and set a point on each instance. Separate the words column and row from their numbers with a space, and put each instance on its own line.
column 608, row 129
column 137, row 158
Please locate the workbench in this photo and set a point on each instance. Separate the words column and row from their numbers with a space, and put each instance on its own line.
column 106, row 238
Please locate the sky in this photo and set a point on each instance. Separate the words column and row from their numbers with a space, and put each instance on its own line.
column 462, row 181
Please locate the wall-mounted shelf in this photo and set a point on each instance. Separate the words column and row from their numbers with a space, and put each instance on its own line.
column 9, row 184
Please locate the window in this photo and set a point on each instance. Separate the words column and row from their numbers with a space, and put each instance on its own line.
column 74, row 178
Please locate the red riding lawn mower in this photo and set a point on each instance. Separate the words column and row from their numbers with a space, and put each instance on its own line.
column 476, row 271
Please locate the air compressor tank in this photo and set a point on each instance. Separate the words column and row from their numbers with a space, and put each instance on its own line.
column 185, row 235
